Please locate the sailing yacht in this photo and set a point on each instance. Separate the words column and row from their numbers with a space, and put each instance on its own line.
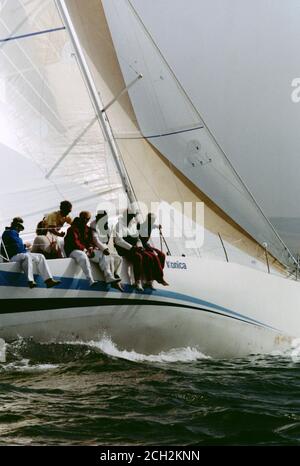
column 91, row 111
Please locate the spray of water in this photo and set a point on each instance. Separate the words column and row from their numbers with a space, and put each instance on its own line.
column 2, row 350
column 17, row 354
column 293, row 352
column 107, row 346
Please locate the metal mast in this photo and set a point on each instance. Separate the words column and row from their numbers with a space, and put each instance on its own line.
column 99, row 108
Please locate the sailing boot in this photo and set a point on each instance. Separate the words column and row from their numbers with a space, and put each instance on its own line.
column 51, row 282
column 32, row 284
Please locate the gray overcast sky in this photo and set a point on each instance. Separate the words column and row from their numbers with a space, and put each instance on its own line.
column 244, row 56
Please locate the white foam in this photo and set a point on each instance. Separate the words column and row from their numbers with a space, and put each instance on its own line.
column 292, row 352
column 2, row 350
column 40, row 367
column 107, row 346
column 25, row 366
column 295, row 353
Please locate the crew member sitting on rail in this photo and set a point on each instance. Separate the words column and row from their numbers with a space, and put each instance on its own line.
column 3, row 252
column 155, row 261
column 79, row 244
column 108, row 261
column 18, row 252
column 128, row 244
column 45, row 242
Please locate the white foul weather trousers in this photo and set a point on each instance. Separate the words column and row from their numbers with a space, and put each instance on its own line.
column 110, row 265
column 27, row 259
column 82, row 259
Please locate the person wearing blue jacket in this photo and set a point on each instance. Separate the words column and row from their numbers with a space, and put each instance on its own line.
column 15, row 249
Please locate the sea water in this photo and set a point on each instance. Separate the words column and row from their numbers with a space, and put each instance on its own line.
column 91, row 393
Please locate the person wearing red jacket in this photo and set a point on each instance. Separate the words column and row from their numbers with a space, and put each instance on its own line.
column 79, row 244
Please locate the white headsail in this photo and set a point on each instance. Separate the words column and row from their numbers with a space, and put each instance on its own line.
column 172, row 123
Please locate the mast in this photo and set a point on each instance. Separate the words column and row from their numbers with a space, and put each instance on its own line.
column 98, row 106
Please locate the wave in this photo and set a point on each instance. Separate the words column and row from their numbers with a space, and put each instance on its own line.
column 108, row 347
column 28, row 355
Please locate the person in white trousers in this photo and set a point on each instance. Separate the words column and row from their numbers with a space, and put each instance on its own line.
column 79, row 244
column 82, row 259
column 17, row 252
column 108, row 261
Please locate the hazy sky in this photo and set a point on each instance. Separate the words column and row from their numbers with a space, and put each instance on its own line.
column 237, row 59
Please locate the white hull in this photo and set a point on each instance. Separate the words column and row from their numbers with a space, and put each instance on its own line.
column 225, row 310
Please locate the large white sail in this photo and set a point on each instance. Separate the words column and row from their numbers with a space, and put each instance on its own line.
column 51, row 145
column 245, row 80
column 153, row 176
column 170, row 121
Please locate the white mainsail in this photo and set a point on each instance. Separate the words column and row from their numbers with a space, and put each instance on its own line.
column 52, row 147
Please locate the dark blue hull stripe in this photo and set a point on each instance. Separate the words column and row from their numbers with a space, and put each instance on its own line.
column 9, row 306
column 15, row 279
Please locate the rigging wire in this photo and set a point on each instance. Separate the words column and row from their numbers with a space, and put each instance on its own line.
column 19, row 25
column 31, row 34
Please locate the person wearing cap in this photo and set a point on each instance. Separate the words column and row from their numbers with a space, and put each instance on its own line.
column 17, row 252
column 3, row 252
column 128, row 244
column 108, row 261
column 17, row 220
column 56, row 220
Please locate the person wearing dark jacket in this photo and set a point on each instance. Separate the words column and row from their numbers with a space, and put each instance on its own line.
column 16, row 251
column 79, row 243
column 155, row 261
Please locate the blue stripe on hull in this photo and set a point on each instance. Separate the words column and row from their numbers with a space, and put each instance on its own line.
column 16, row 279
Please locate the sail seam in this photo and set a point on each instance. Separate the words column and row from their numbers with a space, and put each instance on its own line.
column 144, row 136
